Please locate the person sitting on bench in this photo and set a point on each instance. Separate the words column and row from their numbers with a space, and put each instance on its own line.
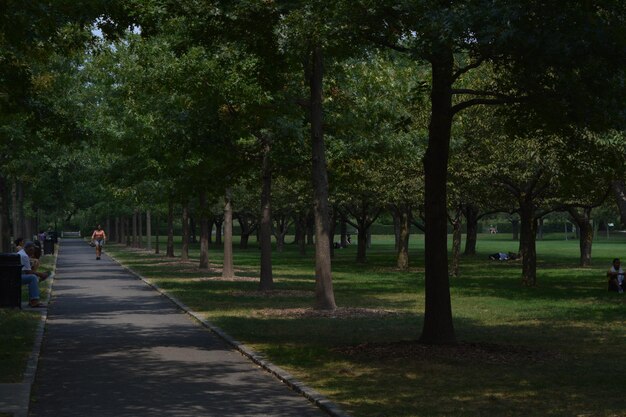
column 616, row 277
column 30, row 277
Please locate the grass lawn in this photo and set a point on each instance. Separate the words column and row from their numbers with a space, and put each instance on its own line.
column 553, row 350
column 17, row 330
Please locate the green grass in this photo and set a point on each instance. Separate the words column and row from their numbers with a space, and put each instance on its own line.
column 553, row 350
column 17, row 330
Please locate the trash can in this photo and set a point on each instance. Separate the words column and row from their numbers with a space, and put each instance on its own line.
column 48, row 247
column 10, row 280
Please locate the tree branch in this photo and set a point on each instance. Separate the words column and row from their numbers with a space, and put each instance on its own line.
column 470, row 91
column 467, row 68
column 483, row 101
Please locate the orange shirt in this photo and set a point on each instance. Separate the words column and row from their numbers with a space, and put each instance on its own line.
column 98, row 235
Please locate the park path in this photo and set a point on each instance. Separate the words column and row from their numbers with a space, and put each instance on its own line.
column 113, row 346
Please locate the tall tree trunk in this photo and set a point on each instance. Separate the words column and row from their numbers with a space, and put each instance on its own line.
column 540, row 229
column 246, row 230
column 205, row 231
column 471, row 221
column 528, row 249
column 403, row 214
column 265, row 229
column 210, row 222
column 395, row 215
column 118, row 229
column 515, row 228
column 148, row 230
column 5, row 233
column 310, row 229
column 218, row 230
column 169, row 249
column 280, row 240
column 361, row 248
column 438, row 326
column 324, row 293
column 456, row 243
column 228, row 269
column 193, row 237
column 302, row 223
column 184, row 254
column 583, row 221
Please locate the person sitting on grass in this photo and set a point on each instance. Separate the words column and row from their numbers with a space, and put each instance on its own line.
column 30, row 277
column 501, row 256
column 616, row 277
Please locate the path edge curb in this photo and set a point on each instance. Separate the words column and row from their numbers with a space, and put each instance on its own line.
column 283, row 376
column 33, row 360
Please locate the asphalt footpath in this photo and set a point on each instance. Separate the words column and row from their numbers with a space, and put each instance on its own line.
column 113, row 346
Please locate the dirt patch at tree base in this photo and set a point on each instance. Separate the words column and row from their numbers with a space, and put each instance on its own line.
column 341, row 313
column 273, row 293
column 478, row 352
column 232, row 279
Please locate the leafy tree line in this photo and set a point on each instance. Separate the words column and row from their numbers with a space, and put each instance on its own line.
column 322, row 115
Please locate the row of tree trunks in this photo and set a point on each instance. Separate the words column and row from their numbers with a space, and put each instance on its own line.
column 5, row 232
column 265, row 230
column 228, row 270
column 19, row 220
column 282, row 223
column 204, row 231
column 134, row 235
column 365, row 216
column 301, row 228
column 248, row 224
column 169, row 248
column 184, row 253
column 148, row 230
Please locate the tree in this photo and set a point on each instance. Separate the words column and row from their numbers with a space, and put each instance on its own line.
column 518, row 39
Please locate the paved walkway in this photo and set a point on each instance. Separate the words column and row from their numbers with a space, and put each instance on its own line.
column 115, row 347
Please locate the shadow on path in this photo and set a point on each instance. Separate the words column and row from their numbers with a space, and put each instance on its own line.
column 115, row 347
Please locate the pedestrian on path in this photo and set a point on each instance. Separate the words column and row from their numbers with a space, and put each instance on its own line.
column 98, row 237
